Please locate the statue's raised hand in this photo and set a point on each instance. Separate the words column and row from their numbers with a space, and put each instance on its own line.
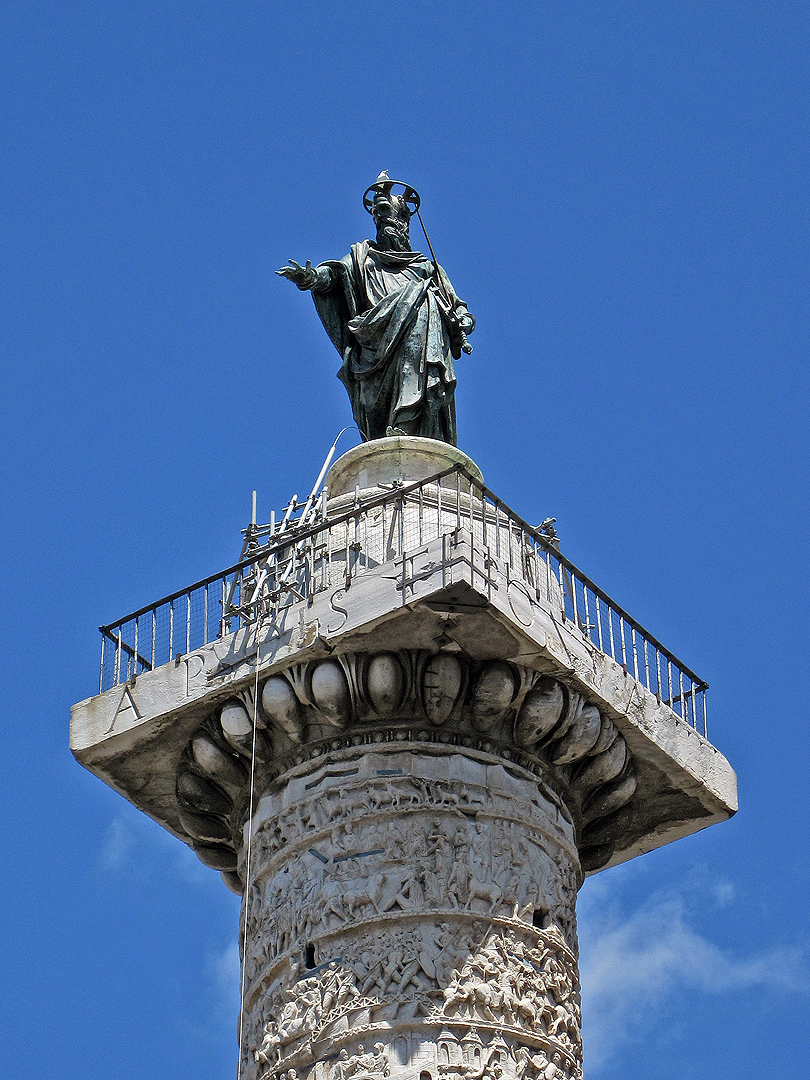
column 303, row 276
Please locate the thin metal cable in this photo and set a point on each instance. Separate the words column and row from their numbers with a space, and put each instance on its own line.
column 249, row 848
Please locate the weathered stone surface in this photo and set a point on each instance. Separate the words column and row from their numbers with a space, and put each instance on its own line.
column 213, row 761
column 493, row 694
column 282, row 708
column 402, row 899
column 384, row 461
column 330, row 692
column 441, row 685
column 540, row 712
column 385, row 682
column 580, row 738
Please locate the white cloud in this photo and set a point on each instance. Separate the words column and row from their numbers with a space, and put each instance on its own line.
column 225, row 973
column 117, row 843
column 724, row 893
column 632, row 964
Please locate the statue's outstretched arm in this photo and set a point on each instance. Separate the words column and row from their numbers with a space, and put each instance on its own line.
column 307, row 277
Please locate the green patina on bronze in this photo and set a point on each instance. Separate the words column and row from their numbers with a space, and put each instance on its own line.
column 396, row 321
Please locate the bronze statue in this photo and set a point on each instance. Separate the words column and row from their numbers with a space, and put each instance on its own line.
column 395, row 319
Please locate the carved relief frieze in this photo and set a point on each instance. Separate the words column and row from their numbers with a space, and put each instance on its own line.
column 360, row 803
column 441, row 980
column 398, row 893
column 374, row 860
column 515, row 984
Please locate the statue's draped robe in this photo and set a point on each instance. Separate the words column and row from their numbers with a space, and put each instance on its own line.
column 381, row 313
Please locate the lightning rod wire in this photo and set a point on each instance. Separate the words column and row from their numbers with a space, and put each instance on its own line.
column 248, row 854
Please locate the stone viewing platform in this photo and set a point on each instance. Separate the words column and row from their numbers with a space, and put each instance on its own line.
column 445, row 726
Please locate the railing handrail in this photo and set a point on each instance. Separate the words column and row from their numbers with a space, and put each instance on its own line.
column 401, row 491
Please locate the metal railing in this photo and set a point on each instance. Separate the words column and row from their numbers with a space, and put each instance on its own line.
column 293, row 561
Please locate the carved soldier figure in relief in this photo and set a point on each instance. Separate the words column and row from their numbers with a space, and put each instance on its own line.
column 341, row 1066
column 362, row 1065
column 459, row 875
column 396, row 321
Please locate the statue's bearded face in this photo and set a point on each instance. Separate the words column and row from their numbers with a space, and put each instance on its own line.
column 391, row 216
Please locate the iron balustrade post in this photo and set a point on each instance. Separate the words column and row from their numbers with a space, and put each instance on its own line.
column 101, row 668
column 365, row 540
column 694, row 710
column 329, row 555
column 347, row 570
column 560, row 573
column 325, row 566
column 324, row 540
column 573, row 581
column 548, row 574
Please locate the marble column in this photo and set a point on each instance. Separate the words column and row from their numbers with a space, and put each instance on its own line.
column 411, row 913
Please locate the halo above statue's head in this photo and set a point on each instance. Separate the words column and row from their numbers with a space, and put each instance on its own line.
column 383, row 185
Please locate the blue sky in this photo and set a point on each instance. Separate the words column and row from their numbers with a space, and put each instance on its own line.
column 621, row 193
